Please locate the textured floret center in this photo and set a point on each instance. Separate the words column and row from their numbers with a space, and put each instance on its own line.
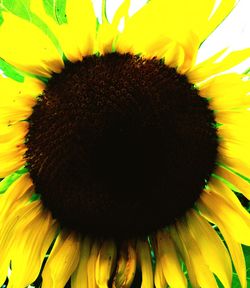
column 120, row 146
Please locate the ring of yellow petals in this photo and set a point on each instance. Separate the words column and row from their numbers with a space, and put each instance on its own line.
column 159, row 29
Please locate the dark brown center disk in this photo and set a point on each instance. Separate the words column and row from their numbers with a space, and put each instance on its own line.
column 120, row 146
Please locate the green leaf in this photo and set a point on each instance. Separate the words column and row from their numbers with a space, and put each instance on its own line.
column 56, row 9
column 246, row 250
column 236, row 282
column 21, row 8
column 49, row 8
column 35, row 197
column 7, row 181
column 18, row 8
column 247, row 72
column 61, row 11
column 10, row 71
column 1, row 17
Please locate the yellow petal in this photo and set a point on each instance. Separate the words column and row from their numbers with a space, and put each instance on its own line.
column 107, row 32
column 157, row 19
column 11, row 158
column 7, row 238
column 229, row 145
column 18, row 96
column 31, row 244
column 49, row 237
column 12, row 148
column 126, row 267
column 232, row 161
column 221, row 189
column 26, row 47
column 214, row 252
column 159, row 279
column 198, row 271
column 82, row 24
column 202, row 23
column 12, row 91
column 134, row 38
column 168, row 258
column 209, row 67
column 77, row 36
column 223, row 9
column 13, row 133
column 80, row 277
column 233, row 246
column 21, row 187
column 187, row 55
column 240, row 118
column 62, row 32
column 226, row 92
column 238, row 182
column 105, row 263
column 218, row 86
column 237, row 257
column 16, row 102
column 224, row 213
column 234, row 132
column 9, row 220
column 12, row 115
column 144, row 259
column 184, row 255
column 163, row 48
column 11, row 166
column 234, row 148
column 91, row 266
column 62, row 261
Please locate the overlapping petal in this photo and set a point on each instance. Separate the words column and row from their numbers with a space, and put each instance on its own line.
column 90, row 262
column 62, row 261
column 36, row 54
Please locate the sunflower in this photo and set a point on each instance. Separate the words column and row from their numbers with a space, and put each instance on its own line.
column 122, row 160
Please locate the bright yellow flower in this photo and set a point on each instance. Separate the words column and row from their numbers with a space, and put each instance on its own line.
column 119, row 155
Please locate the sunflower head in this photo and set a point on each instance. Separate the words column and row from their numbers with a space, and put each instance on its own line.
column 112, row 132
column 120, row 154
